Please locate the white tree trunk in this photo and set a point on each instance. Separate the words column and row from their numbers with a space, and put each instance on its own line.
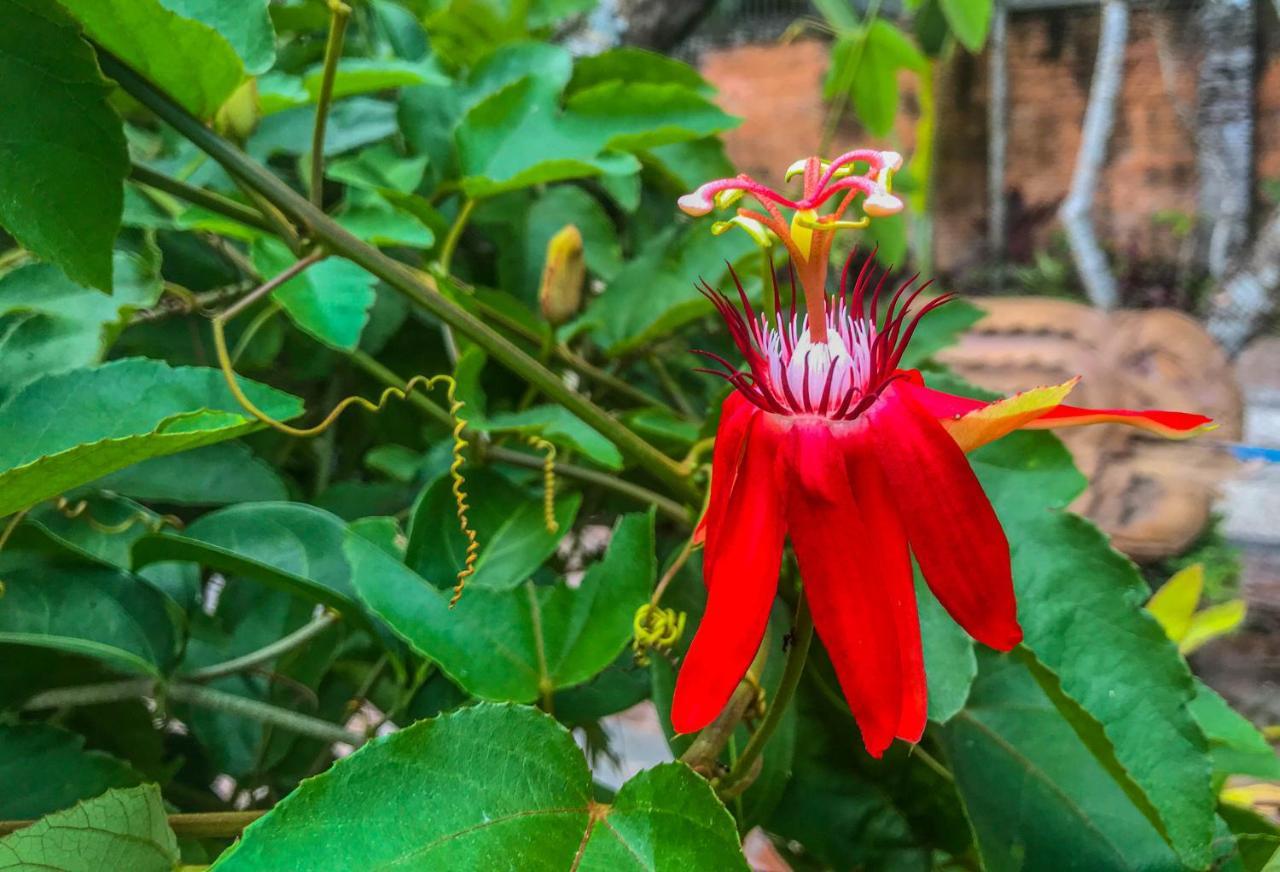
column 1224, row 132
column 1099, row 118
column 997, row 130
column 1249, row 295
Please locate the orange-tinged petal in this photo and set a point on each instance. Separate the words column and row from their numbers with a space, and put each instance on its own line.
column 1171, row 425
column 988, row 423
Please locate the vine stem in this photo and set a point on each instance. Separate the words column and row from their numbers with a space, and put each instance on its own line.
column 297, row 638
column 665, row 505
column 791, row 672
column 205, row 825
column 339, row 13
column 196, row 695
column 223, row 206
column 399, row 276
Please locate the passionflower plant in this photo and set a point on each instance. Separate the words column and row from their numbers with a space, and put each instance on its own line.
column 826, row 441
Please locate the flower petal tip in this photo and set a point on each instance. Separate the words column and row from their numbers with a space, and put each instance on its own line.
column 892, row 160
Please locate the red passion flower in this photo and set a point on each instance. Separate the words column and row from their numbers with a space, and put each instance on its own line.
column 826, row 441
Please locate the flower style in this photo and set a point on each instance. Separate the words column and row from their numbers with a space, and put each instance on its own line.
column 826, row 441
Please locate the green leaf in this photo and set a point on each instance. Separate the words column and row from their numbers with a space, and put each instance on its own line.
column 519, row 794
column 1037, row 797
column 969, row 20
column 161, row 44
column 113, row 415
column 330, row 300
column 101, row 527
column 62, row 150
column 520, row 136
column 838, row 13
column 1079, row 609
column 363, row 75
column 1236, row 745
column 509, row 526
column 46, row 769
column 556, row 424
column 49, row 324
column 211, row 476
column 654, row 292
column 291, row 546
column 243, row 23
column 87, row 609
column 353, row 122
column 379, row 168
column 631, row 64
column 685, row 165
column 515, row 644
column 949, row 662
column 124, row 828
column 377, row 222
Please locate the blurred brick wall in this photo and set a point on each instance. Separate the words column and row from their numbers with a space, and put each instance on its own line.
column 778, row 90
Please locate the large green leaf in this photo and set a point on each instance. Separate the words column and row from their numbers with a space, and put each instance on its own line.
column 46, row 769
column 113, row 415
column 516, row 644
column 62, row 150
column 88, row 609
column 162, row 44
column 330, row 300
column 124, row 828
column 630, row 64
column 214, row 475
column 1037, row 797
column 49, row 324
column 518, row 797
column 865, row 64
column 509, row 525
column 1079, row 606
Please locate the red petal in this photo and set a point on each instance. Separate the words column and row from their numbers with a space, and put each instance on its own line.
column 845, row 575
column 953, row 530
column 742, row 578
column 886, row 547
column 735, row 414
column 1173, row 425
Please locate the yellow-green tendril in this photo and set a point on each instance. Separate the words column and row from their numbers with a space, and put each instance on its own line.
column 80, row 508
column 548, row 481
column 425, row 382
column 656, row 628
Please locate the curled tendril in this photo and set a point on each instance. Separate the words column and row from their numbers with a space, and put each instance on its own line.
column 657, row 629
column 548, row 481
column 426, row 383
column 80, row 509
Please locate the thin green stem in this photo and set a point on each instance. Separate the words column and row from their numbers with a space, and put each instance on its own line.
column 197, row 695
column 259, row 321
column 223, row 206
column 270, row 285
column 670, row 385
column 283, row 645
column 399, row 276
column 933, row 763
column 206, row 825
column 791, row 672
column 339, row 12
column 450, row 244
